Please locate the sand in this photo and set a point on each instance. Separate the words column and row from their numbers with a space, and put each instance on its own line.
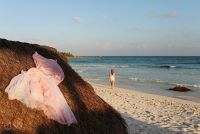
column 152, row 114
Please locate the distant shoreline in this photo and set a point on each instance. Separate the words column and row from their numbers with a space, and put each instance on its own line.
column 68, row 55
column 72, row 57
column 141, row 56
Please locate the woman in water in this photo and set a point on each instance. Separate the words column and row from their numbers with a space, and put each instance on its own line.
column 112, row 78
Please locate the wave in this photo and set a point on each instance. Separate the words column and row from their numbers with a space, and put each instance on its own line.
column 101, row 65
column 88, row 65
column 136, row 66
column 164, row 82
column 168, row 66
column 93, row 79
column 118, row 66
column 163, row 66
column 124, row 66
column 188, row 85
column 172, row 66
column 190, row 63
column 197, row 86
column 79, row 71
column 149, row 81
column 135, row 79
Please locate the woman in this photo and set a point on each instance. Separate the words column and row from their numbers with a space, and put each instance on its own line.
column 112, row 78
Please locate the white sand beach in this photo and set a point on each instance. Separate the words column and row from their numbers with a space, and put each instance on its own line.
column 152, row 114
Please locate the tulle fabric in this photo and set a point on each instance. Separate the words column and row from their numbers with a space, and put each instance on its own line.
column 49, row 67
column 38, row 90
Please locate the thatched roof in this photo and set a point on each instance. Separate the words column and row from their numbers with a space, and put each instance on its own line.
column 93, row 114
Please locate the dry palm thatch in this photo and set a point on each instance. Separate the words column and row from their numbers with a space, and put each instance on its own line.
column 93, row 114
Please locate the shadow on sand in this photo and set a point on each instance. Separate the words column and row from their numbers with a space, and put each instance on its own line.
column 139, row 127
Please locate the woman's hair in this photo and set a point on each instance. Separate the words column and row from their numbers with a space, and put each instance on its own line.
column 112, row 71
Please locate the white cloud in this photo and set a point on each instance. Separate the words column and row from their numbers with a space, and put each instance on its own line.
column 152, row 14
column 76, row 19
column 170, row 44
column 169, row 14
column 107, row 45
column 172, row 14
column 36, row 39
column 141, row 46
column 104, row 19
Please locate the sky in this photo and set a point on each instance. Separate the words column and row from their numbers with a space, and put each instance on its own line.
column 105, row 27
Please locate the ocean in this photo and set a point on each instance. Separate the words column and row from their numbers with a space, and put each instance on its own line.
column 151, row 74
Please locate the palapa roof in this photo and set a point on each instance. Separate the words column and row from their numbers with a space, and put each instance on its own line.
column 94, row 115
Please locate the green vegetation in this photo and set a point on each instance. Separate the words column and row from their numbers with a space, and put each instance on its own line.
column 68, row 55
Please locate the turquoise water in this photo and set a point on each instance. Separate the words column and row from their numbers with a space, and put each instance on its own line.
column 148, row 74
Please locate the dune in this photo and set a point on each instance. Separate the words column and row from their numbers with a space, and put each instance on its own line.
column 94, row 115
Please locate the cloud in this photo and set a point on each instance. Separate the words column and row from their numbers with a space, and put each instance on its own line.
column 107, row 45
column 31, row 39
column 170, row 43
column 36, row 39
column 104, row 19
column 152, row 14
column 169, row 14
column 76, row 19
column 172, row 14
column 141, row 46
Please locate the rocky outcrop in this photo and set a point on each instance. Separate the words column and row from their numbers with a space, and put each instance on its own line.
column 93, row 114
column 180, row 89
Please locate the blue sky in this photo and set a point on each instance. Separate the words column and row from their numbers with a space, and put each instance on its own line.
column 105, row 27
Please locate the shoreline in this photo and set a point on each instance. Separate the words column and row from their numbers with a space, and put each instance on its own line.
column 166, row 93
column 144, row 93
column 150, row 113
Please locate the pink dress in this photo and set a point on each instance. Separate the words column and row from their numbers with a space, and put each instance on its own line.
column 49, row 67
column 38, row 89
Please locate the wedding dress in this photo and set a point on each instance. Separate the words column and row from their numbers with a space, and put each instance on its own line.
column 37, row 88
